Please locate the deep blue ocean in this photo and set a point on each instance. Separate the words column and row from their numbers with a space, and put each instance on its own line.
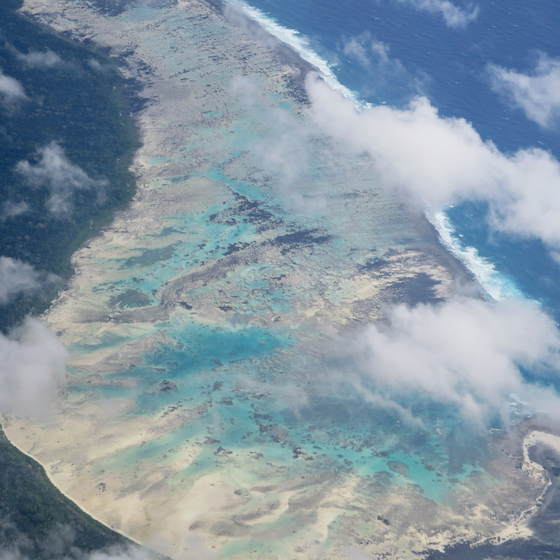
column 449, row 66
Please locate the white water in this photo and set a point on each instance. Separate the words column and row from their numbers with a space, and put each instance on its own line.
column 497, row 285
column 298, row 43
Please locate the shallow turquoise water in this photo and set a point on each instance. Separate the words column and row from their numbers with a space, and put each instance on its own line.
column 239, row 298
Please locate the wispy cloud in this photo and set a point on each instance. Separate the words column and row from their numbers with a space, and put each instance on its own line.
column 358, row 49
column 31, row 368
column 385, row 70
column 17, row 277
column 237, row 14
column 13, row 209
column 246, row 88
column 37, row 59
column 537, row 93
column 11, row 90
column 95, row 64
column 59, row 543
column 369, row 52
column 121, row 553
column 464, row 352
column 283, row 151
column 60, row 176
column 444, row 160
column 452, row 14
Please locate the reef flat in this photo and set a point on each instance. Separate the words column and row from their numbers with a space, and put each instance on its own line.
column 207, row 409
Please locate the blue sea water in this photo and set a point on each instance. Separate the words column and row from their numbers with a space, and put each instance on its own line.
column 450, row 67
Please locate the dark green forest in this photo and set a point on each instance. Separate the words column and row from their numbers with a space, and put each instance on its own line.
column 76, row 100
column 37, row 520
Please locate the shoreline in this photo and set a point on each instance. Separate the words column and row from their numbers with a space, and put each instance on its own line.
column 39, row 237
column 424, row 227
column 35, row 35
column 5, row 422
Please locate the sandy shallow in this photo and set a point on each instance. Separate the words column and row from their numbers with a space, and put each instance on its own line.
column 221, row 461
column 310, row 515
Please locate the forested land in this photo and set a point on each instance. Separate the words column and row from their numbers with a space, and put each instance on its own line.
column 37, row 521
column 73, row 100
column 57, row 95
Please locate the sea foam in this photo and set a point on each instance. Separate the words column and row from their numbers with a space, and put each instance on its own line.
column 497, row 285
column 298, row 43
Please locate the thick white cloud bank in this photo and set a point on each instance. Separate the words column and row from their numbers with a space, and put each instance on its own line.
column 452, row 14
column 444, row 161
column 464, row 352
column 538, row 94
column 32, row 368
column 467, row 353
column 61, row 176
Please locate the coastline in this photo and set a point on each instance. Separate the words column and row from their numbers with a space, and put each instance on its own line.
column 425, row 227
column 37, row 235
column 6, row 423
column 80, row 314
column 33, row 508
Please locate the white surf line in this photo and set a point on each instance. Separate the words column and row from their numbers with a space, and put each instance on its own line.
column 495, row 284
column 298, row 43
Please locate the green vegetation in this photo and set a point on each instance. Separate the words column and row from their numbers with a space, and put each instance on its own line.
column 73, row 98
column 76, row 100
column 39, row 521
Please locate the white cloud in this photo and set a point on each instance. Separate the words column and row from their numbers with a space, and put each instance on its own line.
column 283, row 150
column 246, row 88
column 465, row 352
column 62, row 177
column 95, row 64
column 31, row 368
column 36, row 59
column 538, row 94
column 284, row 153
column 355, row 48
column 244, row 17
column 443, row 160
column 10, row 89
column 122, row 553
column 452, row 14
column 386, row 72
column 13, row 209
column 381, row 52
column 368, row 51
column 59, row 544
column 18, row 277
column 7, row 554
